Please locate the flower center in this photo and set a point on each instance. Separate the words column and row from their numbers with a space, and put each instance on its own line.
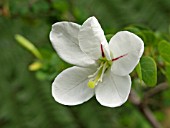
column 98, row 75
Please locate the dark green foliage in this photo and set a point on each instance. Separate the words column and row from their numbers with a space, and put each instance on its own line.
column 164, row 50
column 26, row 102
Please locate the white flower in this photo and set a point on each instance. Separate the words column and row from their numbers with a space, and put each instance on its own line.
column 101, row 69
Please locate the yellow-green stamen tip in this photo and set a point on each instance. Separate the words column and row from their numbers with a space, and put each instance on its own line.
column 98, row 75
column 91, row 84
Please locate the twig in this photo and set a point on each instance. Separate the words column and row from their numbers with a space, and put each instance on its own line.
column 159, row 88
column 145, row 111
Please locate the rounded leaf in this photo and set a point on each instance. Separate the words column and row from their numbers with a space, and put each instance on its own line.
column 149, row 70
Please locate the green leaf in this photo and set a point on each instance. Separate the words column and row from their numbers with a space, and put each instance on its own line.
column 167, row 73
column 149, row 70
column 109, row 36
column 149, row 37
column 139, row 71
column 133, row 29
column 164, row 50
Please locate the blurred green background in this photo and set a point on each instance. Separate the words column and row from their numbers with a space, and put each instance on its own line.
column 25, row 101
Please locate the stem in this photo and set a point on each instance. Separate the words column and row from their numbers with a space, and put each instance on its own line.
column 145, row 111
column 159, row 88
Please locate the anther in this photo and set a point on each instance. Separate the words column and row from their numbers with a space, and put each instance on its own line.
column 101, row 46
column 119, row 57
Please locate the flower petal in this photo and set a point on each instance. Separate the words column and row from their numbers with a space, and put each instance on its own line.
column 64, row 37
column 91, row 36
column 114, row 90
column 127, row 48
column 70, row 86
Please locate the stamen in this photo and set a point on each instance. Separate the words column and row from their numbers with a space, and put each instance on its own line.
column 98, row 75
column 114, row 59
column 94, row 81
column 94, row 74
column 101, row 46
column 104, row 69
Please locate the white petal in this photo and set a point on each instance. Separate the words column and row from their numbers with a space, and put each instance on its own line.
column 91, row 36
column 129, row 46
column 114, row 90
column 70, row 86
column 64, row 37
